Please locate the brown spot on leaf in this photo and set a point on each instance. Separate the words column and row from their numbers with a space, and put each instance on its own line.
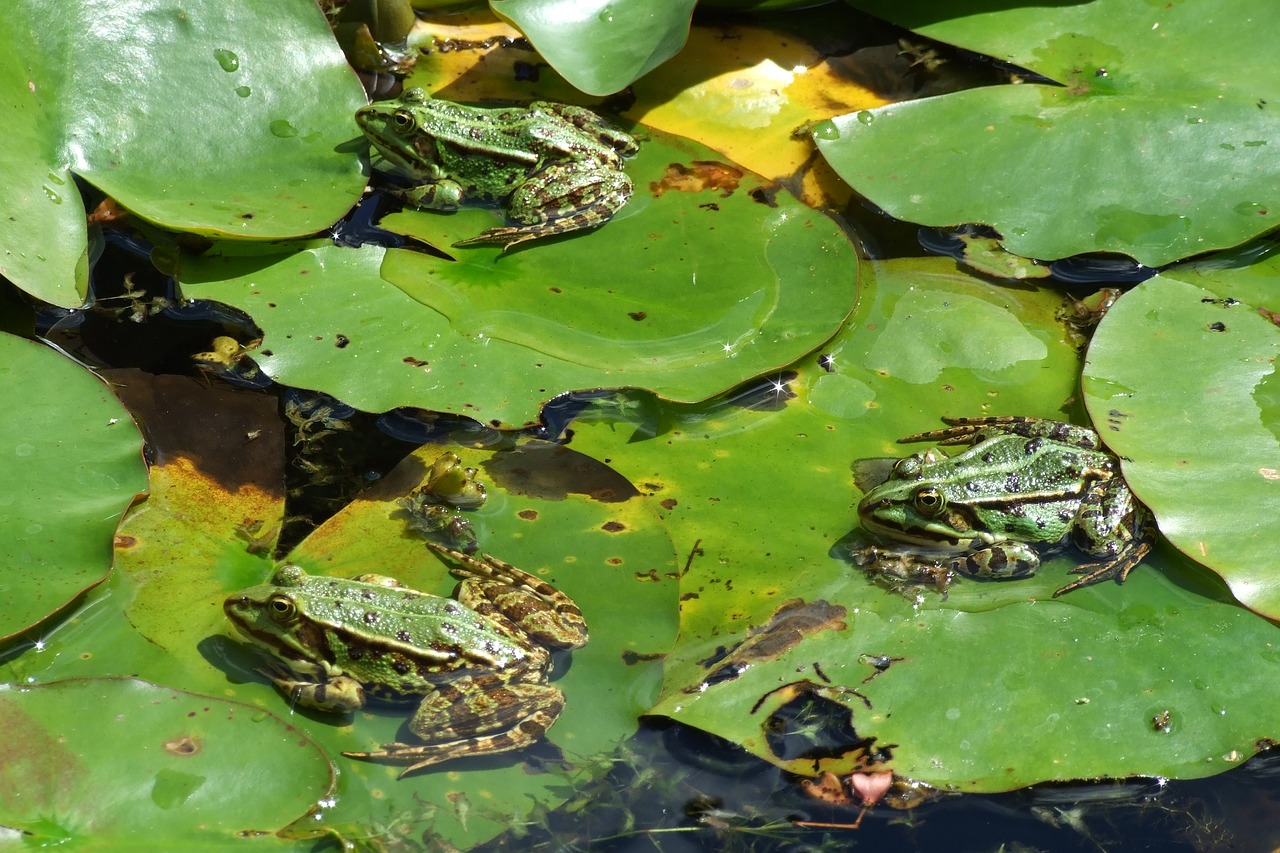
column 528, row 514
column 183, row 745
column 790, row 624
column 613, row 527
column 196, row 433
column 698, row 176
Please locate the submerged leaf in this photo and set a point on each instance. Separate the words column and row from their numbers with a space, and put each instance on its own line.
column 94, row 760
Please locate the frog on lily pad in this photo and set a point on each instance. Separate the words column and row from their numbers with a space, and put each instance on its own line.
column 554, row 168
column 1024, row 486
column 475, row 666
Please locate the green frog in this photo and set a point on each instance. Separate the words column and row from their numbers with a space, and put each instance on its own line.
column 475, row 666
column 1024, row 486
column 554, row 168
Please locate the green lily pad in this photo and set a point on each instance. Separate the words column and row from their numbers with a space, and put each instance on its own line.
column 74, row 464
column 217, row 118
column 709, row 276
column 1203, row 451
column 95, row 760
column 788, row 649
column 1183, row 166
column 601, row 46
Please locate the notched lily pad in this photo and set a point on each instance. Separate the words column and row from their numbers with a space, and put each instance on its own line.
column 601, row 46
column 101, row 92
column 907, row 683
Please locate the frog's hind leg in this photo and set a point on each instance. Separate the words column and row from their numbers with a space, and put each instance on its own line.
column 1103, row 569
column 560, row 200
column 474, row 715
column 974, row 430
column 1115, row 527
column 588, row 121
column 498, row 590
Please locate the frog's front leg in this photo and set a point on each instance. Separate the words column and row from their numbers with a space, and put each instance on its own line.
column 1113, row 526
column 444, row 194
column 333, row 694
column 474, row 715
column 997, row 561
column 561, row 198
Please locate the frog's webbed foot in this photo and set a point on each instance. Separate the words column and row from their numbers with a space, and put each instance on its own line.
column 1102, row 570
column 973, row 430
column 1115, row 528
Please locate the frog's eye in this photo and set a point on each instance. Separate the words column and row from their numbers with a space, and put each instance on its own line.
column 403, row 121
column 928, row 500
column 281, row 608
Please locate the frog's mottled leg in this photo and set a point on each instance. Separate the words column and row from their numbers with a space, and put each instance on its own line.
column 336, row 695
column 1114, row 526
column 559, row 199
column 493, row 587
column 476, row 715
column 585, row 119
column 973, row 430
column 1000, row 561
